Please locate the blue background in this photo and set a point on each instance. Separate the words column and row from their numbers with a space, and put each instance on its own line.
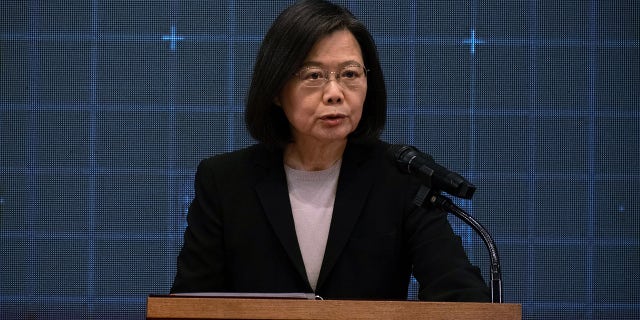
column 106, row 107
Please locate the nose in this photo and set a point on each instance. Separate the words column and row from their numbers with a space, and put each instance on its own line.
column 332, row 93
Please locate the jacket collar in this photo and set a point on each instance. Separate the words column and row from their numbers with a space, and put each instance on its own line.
column 354, row 183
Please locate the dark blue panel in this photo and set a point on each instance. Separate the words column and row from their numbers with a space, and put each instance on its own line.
column 106, row 108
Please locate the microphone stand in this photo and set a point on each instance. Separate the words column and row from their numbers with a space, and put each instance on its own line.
column 444, row 203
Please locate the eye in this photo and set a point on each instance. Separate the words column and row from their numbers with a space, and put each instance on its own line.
column 311, row 74
column 352, row 72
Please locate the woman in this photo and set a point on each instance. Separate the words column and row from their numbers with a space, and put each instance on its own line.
column 316, row 205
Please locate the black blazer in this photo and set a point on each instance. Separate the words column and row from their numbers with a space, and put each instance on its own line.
column 241, row 236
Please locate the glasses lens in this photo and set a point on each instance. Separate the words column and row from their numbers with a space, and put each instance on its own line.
column 312, row 76
column 349, row 76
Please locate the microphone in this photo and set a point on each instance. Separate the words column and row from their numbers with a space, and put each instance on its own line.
column 437, row 178
column 422, row 165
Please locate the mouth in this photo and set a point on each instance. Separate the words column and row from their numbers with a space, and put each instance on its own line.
column 336, row 116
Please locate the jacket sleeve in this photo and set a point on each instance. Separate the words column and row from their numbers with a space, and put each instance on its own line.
column 200, row 264
column 440, row 263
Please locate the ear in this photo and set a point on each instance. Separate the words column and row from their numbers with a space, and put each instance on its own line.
column 276, row 101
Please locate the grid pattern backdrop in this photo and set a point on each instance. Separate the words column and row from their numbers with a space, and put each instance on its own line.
column 106, row 107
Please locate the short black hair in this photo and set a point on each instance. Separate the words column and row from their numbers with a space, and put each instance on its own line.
column 283, row 51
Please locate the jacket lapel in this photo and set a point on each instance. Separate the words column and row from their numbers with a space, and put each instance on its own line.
column 355, row 181
column 274, row 196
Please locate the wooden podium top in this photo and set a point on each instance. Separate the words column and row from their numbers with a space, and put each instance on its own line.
column 172, row 307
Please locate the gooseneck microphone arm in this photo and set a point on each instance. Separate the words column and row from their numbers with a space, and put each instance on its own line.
column 495, row 271
column 444, row 203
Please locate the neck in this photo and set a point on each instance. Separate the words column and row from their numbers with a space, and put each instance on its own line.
column 313, row 157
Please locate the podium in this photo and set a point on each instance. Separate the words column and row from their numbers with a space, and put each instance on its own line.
column 176, row 307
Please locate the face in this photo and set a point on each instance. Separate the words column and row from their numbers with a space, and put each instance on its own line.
column 330, row 112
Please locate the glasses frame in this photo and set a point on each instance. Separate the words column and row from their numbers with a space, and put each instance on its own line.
column 327, row 76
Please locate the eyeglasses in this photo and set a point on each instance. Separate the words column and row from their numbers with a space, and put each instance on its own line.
column 351, row 76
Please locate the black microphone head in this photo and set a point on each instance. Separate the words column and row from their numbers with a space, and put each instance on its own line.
column 399, row 152
column 402, row 155
column 407, row 156
column 411, row 160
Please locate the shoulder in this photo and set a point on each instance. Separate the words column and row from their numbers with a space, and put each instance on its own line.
column 374, row 154
column 360, row 151
column 379, row 159
column 256, row 153
column 239, row 162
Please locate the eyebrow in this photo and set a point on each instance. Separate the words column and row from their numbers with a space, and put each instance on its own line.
column 322, row 65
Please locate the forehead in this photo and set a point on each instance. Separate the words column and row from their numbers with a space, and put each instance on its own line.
column 335, row 49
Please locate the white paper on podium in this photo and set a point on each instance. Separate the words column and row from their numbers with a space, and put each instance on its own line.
column 250, row 295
